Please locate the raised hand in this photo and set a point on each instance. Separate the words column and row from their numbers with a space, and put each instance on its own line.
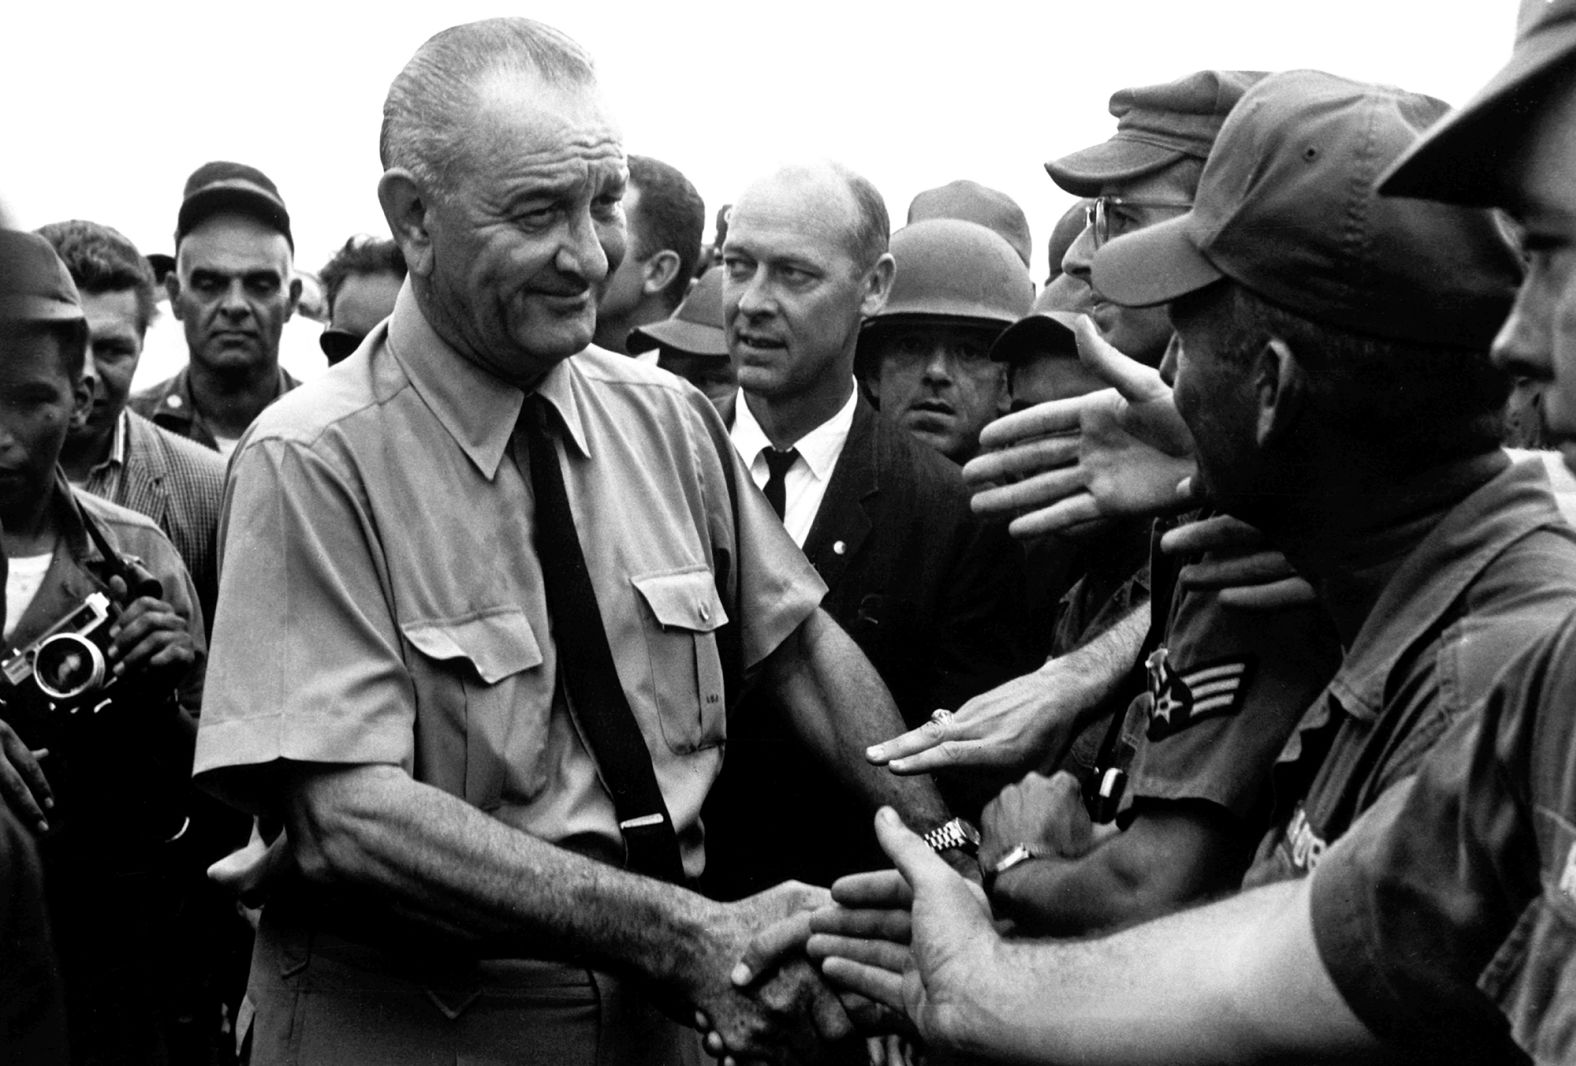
column 1119, row 452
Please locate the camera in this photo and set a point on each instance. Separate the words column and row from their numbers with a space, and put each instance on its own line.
column 68, row 662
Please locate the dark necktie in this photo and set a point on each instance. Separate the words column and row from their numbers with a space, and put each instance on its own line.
column 777, row 464
column 585, row 662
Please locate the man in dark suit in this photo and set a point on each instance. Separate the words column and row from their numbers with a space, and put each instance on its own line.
column 930, row 595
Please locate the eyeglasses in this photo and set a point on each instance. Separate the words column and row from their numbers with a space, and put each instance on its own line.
column 337, row 344
column 1097, row 215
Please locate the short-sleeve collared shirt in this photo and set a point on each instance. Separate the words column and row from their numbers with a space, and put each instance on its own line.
column 1447, row 915
column 382, row 598
column 1223, row 691
column 1494, row 575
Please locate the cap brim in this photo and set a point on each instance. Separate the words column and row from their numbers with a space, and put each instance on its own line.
column 1086, row 172
column 38, row 309
column 1038, row 332
column 1153, row 266
column 245, row 201
column 1461, row 159
column 691, row 337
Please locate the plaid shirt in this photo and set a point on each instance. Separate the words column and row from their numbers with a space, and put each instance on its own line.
column 177, row 483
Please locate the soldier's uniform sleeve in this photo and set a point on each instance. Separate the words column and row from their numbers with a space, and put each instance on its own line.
column 1227, row 687
column 1447, row 914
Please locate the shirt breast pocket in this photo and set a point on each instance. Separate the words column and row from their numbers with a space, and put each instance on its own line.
column 686, row 669
column 477, row 678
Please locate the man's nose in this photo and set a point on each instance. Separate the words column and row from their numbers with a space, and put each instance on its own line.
column 939, row 364
column 754, row 293
column 1078, row 260
column 234, row 302
column 1524, row 345
column 581, row 252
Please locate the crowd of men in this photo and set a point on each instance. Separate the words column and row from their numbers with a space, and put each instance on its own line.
column 826, row 646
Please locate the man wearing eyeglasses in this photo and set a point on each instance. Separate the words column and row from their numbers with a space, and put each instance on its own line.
column 360, row 284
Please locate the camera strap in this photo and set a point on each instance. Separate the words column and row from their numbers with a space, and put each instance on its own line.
column 137, row 584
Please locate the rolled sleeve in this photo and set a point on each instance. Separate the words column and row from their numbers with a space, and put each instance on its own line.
column 306, row 662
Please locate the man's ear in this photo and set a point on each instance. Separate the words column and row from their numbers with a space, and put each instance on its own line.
column 878, row 286
column 295, row 297
column 81, row 401
column 172, row 286
column 1280, row 386
column 659, row 271
column 407, row 209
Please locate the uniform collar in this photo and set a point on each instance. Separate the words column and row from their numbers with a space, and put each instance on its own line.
column 174, row 397
column 476, row 407
column 1472, row 534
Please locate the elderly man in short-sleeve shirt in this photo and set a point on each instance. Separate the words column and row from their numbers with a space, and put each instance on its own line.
column 386, row 673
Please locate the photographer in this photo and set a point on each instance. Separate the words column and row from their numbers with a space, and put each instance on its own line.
column 102, row 649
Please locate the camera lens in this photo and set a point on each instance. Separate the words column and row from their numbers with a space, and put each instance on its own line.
column 67, row 666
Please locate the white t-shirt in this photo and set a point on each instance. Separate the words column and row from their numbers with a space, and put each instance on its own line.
column 24, row 577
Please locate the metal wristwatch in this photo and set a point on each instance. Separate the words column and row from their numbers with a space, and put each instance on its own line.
column 955, row 833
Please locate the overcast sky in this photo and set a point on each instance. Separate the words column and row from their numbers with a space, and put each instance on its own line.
column 109, row 106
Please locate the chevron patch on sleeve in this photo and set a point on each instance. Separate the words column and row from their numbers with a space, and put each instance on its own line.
column 1205, row 691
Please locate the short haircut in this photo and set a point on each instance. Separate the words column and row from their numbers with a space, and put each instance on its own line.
column 872, row 231
column 101, row 259
column 672, row 215
column 1453, row 399
column 360, row 255
column 431, row 104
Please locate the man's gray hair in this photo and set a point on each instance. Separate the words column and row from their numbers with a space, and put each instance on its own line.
column 432, row 103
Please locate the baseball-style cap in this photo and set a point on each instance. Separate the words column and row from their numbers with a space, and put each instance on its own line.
column 1287, row 207
column 1046, row 328
column 35, row 285
column 1156, row 125
column 1462, row 157
column 695, row 325
column 973, row 202
column 224, row 186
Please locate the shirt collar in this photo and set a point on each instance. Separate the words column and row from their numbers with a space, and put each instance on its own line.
column 477, row 408
column 117, row 446
column 819, row 448
column 1511, row 505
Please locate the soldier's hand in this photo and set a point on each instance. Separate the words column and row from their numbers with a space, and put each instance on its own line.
column 1120, row 452
column 1246, row 570
column 940, row 974
column 1015, row 725
column 1047, row 814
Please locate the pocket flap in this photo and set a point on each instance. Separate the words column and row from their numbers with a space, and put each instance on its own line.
column 497, row 644
column 684, row 600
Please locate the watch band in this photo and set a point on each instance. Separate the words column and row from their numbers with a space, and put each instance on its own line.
column 1015, row 856
column 954, row 833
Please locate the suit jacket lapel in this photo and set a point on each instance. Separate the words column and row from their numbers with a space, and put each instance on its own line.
column 845, row 516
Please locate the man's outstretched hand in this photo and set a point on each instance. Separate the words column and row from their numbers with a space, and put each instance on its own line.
column 1120, row 452
column 918, row 940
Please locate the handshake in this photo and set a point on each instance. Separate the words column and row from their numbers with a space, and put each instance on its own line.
column 891, row 955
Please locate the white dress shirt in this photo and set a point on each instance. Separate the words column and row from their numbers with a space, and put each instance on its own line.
column 805, row 483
